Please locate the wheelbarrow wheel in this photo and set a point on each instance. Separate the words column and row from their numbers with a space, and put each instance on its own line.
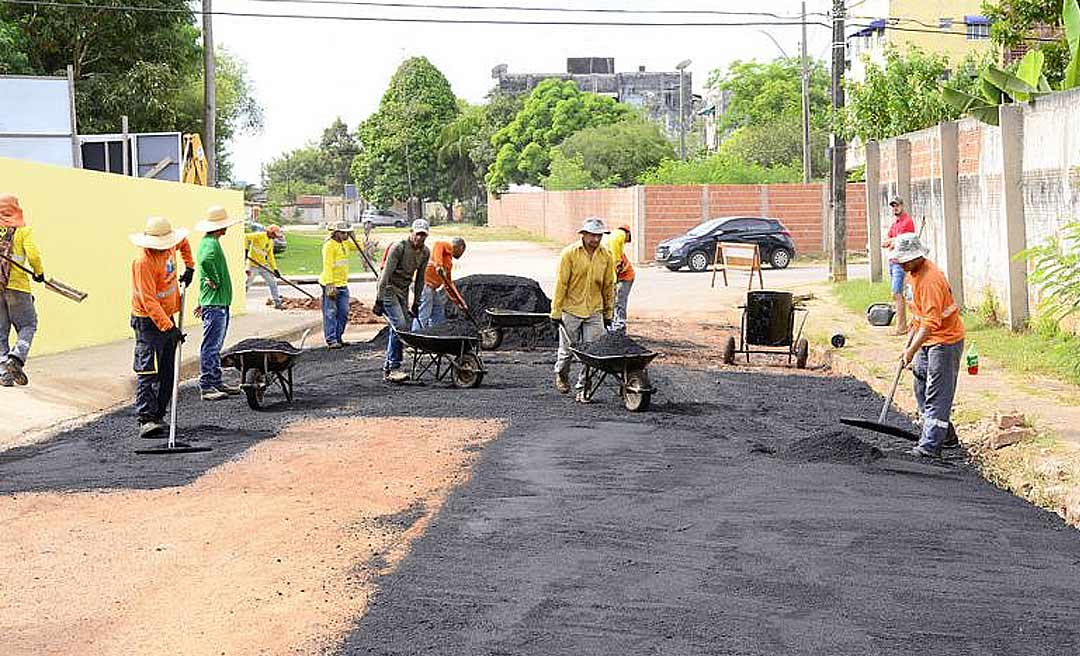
column 254, row 387
column 468, row 372
column 491, row 338
column 729, row 351
column 636, row 398
column 802, row 352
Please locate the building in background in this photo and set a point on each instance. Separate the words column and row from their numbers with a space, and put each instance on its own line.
column 655, row 92
column 954, row 28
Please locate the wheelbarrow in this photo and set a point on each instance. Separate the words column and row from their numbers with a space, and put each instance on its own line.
column 500, row 320
column 627, row 371
column 456, row 356
column 768, row 322
column 262, row 363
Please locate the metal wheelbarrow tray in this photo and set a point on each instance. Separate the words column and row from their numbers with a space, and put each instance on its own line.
column 261, row 365
column 768, row 322
column 454, row 356
column 500, row 320
column 635, row 390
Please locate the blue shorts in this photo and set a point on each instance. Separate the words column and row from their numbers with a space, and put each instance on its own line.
column 896, row 277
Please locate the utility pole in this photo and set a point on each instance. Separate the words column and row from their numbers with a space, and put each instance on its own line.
column 805, row 104
column 681, row 67
column 838, row 178
column 209, row 95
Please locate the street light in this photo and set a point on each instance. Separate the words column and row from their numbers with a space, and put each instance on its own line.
column 775, row 43
column 681, row 67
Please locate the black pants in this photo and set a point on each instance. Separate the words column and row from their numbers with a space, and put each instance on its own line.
column 155, row 362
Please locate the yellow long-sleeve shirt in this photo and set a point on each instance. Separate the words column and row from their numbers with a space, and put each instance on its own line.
column 335, row 262
column 25, row 252
column 260, row 248
column 585, row 284
column 616, row 243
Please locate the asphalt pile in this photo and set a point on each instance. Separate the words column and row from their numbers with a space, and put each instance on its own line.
column 260, row 344
column 455, row 328
column 502, row 292
column 616, row 343
column 359, row 313
column 833, row 445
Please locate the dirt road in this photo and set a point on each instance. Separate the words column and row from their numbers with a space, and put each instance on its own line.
column 711, row 525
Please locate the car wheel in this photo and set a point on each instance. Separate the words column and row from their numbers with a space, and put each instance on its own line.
column 673, row 267
column 780, row 258
column 399, row 224
column 698, row 261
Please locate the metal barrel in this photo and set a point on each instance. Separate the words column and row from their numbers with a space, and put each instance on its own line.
column 770, row 318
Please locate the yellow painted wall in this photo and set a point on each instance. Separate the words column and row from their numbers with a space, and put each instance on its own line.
column 928, row 13
column 81, row 221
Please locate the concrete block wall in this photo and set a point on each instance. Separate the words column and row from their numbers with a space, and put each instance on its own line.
column 558, row 214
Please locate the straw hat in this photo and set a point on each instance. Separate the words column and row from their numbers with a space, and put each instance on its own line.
column 11, row 215
column 216, row 219
column 340, row 226
column 907, row 247
column 159, row 235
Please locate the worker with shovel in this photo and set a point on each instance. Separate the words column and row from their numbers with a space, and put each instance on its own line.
column 259, row 250
column 439, row 284
column 584, row 301
column 406, row 263
column 335, row 282
column 935, row 343
column 16, row 302
column 155, row 299
column 624, row 273
column 215, row 297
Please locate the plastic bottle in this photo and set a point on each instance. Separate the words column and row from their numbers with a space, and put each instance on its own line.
column 972, row 358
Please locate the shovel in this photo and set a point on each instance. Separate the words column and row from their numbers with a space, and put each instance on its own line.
column 52, row 284
column 880, row 426
column 284, row 280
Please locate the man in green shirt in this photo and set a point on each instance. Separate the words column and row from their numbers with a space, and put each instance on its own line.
column 215, row 297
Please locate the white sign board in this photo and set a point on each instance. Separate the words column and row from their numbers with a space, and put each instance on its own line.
column 36, row 119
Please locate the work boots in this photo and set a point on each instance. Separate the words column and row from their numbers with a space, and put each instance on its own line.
column 228, row 389
column 13, row 367
column 151, row 429
column 213, row 395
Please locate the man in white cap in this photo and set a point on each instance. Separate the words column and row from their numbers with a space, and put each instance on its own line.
column 405, row 265
column 935, row 343
column 215, row 297
column 584, row 299
column 155, row 299
column 335, row 282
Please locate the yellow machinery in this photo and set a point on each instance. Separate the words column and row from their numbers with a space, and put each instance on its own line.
column 195, row 166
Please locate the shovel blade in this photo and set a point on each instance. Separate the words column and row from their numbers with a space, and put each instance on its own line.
column 54, row 285
column 880, row 427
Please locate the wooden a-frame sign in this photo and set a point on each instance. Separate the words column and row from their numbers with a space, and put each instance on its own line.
column 737, row 257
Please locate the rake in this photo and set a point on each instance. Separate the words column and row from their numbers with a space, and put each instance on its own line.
column 52, row 284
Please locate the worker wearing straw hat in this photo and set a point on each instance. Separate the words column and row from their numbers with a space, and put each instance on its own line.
column 16, row 302
column 215, row 297
column 335, row 282
column 262, row 261
column 155, row 299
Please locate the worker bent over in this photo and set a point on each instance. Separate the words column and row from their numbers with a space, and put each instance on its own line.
column 16, row 302
column 935, row 344
column 405, row 265
column 215, row 297
column 439, row 284
column 624, row 273
column 261, row 261
column 335, row 282
column 584, row 298
column 155, row 299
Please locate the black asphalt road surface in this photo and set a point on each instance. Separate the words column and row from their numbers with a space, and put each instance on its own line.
column 711, row 525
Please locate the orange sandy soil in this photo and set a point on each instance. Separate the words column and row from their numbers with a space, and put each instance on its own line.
column 276, row 552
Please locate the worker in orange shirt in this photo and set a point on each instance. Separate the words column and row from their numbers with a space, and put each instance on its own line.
column 439, row 284
column 935, row 341
column 155, row 299
column 624, row 273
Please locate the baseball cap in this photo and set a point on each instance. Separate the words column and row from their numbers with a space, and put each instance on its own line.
column 594, row 226
column 420, row 225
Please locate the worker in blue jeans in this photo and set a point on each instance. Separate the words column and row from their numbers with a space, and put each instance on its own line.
column 215, row 297
column 335, row 282
column 902, row 224
column 405, row 266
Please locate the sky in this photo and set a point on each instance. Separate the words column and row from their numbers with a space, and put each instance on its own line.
column 308, row 72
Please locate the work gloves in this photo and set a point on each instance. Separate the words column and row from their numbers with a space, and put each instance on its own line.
column 277, row 274
column 556, row 322
column 174, row 334
column 187, row 277
column 39, row 277
column 607, row 324
column 330, row 291
column 377, row 308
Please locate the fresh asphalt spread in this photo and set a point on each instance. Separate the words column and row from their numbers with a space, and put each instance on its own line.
column 734, row 518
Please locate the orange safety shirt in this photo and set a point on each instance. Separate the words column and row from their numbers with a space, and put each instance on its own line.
column 155, row 291
column 930, row 304
column 442, row 255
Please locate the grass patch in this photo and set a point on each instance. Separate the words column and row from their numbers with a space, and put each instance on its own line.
column 303, row 256
column 1056, row 356
column 857, row 295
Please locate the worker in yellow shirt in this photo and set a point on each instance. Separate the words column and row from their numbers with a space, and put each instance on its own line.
column 624, row 273
column 584, row 300
column 259, row 247
column 335, row 282
column 16, row 302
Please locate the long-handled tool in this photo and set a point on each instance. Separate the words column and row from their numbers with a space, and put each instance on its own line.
column 173, row 446
column 363, row 254
column 52, row 284
column 283, row 279
column 880, row 426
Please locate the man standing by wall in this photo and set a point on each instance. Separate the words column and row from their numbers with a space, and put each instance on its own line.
column 335, row 282
column 405, row 265
column 936, row 343
column 155, row 298
column 16, row 302
column 624, row 273
column 439, row 284
column 902, row 224
column 584, row 300
column 215, row 297
column 262, row 262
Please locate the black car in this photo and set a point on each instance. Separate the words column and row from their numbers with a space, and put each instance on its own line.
column 697, row 247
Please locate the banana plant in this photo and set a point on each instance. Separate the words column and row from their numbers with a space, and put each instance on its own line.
column 998, row 86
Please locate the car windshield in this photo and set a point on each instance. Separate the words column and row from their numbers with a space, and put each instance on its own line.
column 702, row 229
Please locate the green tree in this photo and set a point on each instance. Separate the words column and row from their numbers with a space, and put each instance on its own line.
column 399, row 156
column 499, row 111
column 339, row 148
column 296, row 173
column 13, row 46
column 456, row 143
column 777, row 144
column 553, row 111
column 612, row 155
column 719, row 168
column 1015, row 23
column 569, row 173
column 764, row 93
column 905, row 94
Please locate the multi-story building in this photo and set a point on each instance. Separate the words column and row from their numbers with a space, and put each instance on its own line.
column 954, row 28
